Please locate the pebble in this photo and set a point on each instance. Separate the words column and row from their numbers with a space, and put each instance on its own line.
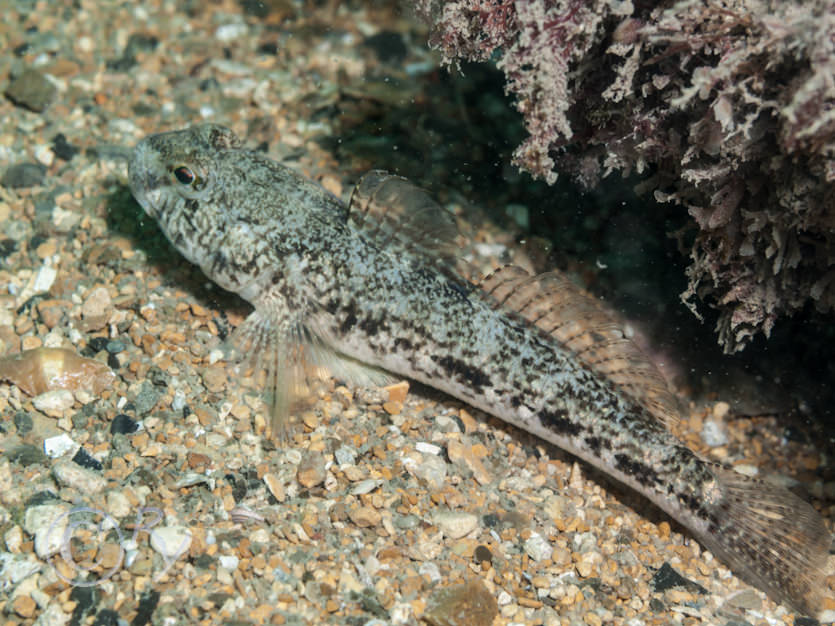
column 62, row 148
column 469, row 456
column 146, row 399
column 118, row 504
column 46, row 523
column 397, row 392
column 428, row 448
column 16, row 567
column 31, row 90
column 123, row 425
column 96, row 308
column 311, row 471
column 23, row 176
column 365, row 486
column 713, row 433
column 44, row 279
column 455, row 525
column 345, row 455
column 71, row 475
column 275, row 486
column 13, row 538
column 537, row 547
column 58, row 446
column 54, row 402
column 170, row 541
column 27, row 454
column 365, row 516
column 430, row 468
column 229, row 561
column 231, row 32
column 746, row 469
column 24, row 606
column 467, row 604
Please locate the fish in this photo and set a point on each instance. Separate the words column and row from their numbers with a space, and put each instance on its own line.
column 373, row 288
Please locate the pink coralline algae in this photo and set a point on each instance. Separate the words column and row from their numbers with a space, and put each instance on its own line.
column 727, row 108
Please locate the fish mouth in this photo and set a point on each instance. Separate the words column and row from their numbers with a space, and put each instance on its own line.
column 143, row 182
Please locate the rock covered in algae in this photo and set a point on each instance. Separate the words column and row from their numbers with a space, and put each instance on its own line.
column 45, row 369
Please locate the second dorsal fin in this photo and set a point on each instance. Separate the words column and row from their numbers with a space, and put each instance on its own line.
column 579, row 322
column 398, row 214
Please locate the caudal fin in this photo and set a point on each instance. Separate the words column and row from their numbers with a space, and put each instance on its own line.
column 772, row 539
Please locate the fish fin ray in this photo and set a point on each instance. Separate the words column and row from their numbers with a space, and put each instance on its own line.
column 272, row 352
column 580, row 323
column 397, row 214
column 771, row 538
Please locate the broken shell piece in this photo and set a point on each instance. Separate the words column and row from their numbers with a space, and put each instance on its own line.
column 44, row 369
column 243, row 515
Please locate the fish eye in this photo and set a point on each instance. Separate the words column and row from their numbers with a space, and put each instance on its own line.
column 184, row 175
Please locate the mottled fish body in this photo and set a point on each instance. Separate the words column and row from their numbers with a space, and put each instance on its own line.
column 350, row 290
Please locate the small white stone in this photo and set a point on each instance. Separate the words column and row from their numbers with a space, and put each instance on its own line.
column 215, row 355
column 84, row 480
column 713, row 433
column 345, row 455
column 229, row 561
column 427, row 448
column 47, row 523
column 171, row 541
column 44, row 154
column 53, row 615
column 44, row 279
column 537, row 547
column 454, row 524
column 58, row 400
column 13, row 538
column 15, row 568
column 429, row 468
column 365, row 486
column 431, row 571
column 59, row 445
column 118, row 504
column 231, row 32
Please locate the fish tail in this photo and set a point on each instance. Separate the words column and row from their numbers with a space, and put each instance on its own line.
column 770, row 538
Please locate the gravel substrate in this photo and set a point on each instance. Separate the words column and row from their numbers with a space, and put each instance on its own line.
column 143, row 491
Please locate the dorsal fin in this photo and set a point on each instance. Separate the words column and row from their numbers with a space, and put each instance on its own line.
column 398, row 214
column 579, row 322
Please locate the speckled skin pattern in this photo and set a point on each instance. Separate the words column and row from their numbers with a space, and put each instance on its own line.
column 286, row 245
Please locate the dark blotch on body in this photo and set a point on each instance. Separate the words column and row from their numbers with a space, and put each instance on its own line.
column 456, row 368
column 559, row 422
column 641, row 472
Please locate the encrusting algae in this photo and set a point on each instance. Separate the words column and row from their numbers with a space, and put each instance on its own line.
column 374, row 288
